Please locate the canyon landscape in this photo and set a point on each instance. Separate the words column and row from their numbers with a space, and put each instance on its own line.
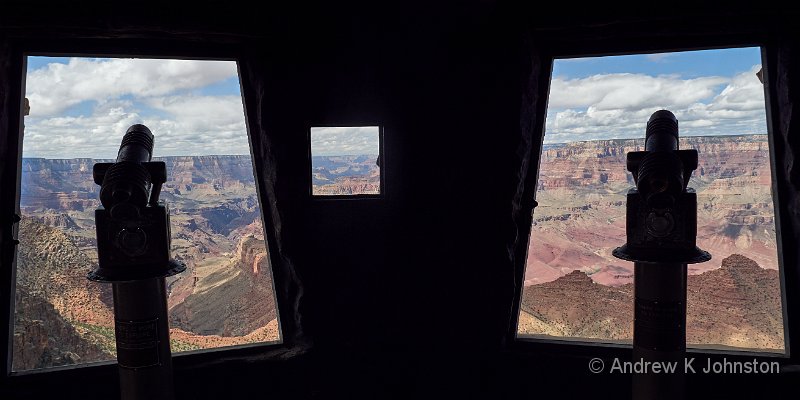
column 575, row 288
column 224, row 298
column 345, row 175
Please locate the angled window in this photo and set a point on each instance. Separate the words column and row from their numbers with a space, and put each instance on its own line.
column 79, row 110
column 598, row 108
column 345, row 160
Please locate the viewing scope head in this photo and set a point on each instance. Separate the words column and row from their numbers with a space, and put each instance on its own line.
column 129, row 182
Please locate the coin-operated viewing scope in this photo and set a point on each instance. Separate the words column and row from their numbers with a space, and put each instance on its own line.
column 133, row 249
column 662, row 211
column 661, row 227
column 133, row 232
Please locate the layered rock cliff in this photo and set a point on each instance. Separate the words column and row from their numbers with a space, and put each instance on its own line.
column 43, row 338
column 582, row 194
column 345, row 175
column 67, row 184
column 232, row 300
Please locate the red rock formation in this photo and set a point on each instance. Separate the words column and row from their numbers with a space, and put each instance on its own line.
column 737, row 305
column 57, row 220
column 234, row 299
column 575, row 306
column 350, row 186
column 345, row 175
column 43, row 338
column 50, row 266
column 55, row 302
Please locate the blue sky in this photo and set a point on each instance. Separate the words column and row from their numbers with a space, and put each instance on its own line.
column 36, row 62
column 712, row 92
column 727, row 62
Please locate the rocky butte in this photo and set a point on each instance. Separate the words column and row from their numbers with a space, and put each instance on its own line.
column 737, row 305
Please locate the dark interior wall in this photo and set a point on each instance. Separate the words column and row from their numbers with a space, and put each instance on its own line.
column 397, row 289
column 413, row 294
column 8, row 143
column 382, row 294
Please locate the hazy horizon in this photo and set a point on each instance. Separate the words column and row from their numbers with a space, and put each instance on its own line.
column 642, row 138
column 190, row 155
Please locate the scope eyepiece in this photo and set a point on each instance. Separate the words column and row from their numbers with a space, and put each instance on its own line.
column 661, row 178
column 662, row 132
column 137, row 144
column 661, row 173
column 127, row 180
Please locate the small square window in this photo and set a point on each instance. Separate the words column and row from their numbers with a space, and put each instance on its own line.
column 346, row 161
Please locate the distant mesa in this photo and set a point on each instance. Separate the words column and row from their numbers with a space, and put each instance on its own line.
column 345, row 175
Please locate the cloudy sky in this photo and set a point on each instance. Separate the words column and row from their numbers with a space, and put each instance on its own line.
column 81, row 107
column 712, row 92
column 337, row 141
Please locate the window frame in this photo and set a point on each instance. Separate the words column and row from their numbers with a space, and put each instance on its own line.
column 381, row 156
column 134, row 48
column 582, row 347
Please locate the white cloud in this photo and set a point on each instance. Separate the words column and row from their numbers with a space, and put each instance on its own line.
column 204, row 113
column 115, row 94
column 631, row 91
column 187, row 126
column 618, row 105
column 56, row 87
column 326, row 141
column 95, row 136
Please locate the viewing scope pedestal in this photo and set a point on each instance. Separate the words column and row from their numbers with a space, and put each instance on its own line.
column 133, row 249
